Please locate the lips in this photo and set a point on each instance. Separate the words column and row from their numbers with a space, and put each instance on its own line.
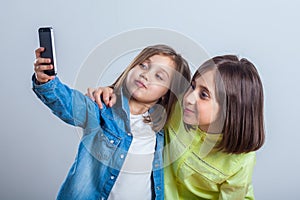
column 188, row 111
column 140, row 84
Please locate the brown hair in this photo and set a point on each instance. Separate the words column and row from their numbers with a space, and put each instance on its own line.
column 239, row 92
column 162, row 110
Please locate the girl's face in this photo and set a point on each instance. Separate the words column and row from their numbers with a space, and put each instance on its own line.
column 150, row 80
column 199, row 102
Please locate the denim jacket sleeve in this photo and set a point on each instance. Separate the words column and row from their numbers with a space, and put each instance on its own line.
column 68, row 104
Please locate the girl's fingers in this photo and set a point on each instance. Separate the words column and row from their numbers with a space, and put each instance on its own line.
column 40, row 65
column 97, row 95
column 109, row 97
column 41, row 68
column 113, row 100
column 90, row 93
column 40, row 61
column 106, row 95
column 38, row 52
column 42, row 77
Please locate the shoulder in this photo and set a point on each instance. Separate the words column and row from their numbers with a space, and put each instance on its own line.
column 231, row 163
column 239, row 159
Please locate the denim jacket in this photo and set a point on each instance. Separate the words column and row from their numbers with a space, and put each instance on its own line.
column 104, row 144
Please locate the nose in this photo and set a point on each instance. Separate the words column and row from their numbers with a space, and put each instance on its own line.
column 190, row 97
column 144, row 75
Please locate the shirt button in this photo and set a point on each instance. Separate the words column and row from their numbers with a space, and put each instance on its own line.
column 156, row 165
column 122, row 156
column 112, row 177
column 111, row 141
column 158, row 188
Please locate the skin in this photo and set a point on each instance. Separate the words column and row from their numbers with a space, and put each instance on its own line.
column 200, row 106
column 148, row 82
column 41, row 64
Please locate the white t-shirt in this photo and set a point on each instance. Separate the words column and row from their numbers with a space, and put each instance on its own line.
column 134, row 180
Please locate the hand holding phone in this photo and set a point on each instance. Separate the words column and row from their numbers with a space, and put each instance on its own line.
column 46, row 39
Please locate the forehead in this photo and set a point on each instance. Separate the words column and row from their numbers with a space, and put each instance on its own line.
column 206, row 79
column 161, row 61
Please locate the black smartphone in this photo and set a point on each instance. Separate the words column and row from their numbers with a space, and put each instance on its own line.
column 46, row 38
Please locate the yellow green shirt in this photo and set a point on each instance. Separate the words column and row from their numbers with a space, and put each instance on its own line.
column 194, row 169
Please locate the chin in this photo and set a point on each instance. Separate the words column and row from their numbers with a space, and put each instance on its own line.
column 189, row 122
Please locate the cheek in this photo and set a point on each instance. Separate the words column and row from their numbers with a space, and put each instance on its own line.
column 164, row 85
column 130, row 74
column 160, row 87
column 127, row 82
column 215, row 113
column 204, row 113
column 160, row 91
column 207, row 113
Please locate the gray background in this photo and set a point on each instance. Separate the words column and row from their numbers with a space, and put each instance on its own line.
column 37, row 149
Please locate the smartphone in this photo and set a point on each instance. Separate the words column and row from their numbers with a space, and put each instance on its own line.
column 46, row 39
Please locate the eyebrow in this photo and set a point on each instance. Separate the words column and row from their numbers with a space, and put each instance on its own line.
column 160, row 67
column 205, row 88
column 202, row 87
column 211, row 95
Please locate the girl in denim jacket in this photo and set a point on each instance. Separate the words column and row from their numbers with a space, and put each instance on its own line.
column 120, row 153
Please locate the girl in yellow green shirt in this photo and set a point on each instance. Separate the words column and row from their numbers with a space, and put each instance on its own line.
column 213, row 133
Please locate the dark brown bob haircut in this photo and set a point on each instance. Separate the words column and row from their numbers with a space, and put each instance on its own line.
column 163, row 108
column 239, row 92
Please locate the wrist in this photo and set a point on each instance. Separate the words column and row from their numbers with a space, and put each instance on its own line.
column 36, row 81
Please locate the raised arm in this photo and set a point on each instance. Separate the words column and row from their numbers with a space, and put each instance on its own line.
column 69, row 105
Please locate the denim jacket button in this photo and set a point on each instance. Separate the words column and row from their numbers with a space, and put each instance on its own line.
column 129, row 134
column 112, row 177
column 122, row 156
column 111, row 141
column 158, row 188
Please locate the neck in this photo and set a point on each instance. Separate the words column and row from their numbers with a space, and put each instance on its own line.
column 137, row 108
column 211, row 129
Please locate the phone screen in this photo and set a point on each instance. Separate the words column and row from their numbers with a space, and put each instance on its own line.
column 46, row 38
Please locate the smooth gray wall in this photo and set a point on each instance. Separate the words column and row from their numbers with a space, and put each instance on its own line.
column 37, row 149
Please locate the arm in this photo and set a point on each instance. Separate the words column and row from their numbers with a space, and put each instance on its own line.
column 239, row 186
column 69, row 105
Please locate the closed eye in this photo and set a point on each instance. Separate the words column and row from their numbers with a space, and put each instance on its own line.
column 160, row 77
column 144, row 66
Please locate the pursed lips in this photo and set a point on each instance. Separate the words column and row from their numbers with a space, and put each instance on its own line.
column 140, row 84
column 188, row 111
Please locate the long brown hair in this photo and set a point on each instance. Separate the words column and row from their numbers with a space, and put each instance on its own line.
column 239, row 92
column 162, row 110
